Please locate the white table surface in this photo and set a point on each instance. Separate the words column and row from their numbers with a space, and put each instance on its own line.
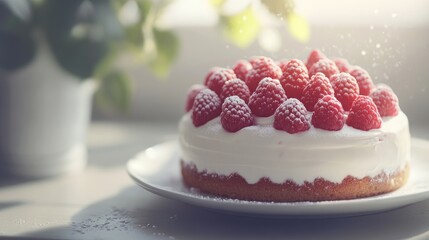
column 102, row 202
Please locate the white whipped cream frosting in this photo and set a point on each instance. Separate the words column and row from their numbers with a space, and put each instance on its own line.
column 262, row 151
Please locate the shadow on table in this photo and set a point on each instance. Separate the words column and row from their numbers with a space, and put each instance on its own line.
column 7, row 180
column 125, row 141
column 137, row 214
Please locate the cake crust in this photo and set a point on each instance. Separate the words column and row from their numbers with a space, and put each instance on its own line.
column 235, row 186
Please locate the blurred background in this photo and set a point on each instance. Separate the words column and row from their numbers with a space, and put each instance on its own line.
column 63, row 63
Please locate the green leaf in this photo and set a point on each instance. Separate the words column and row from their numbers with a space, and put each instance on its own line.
column 17, row 46
column 167, row 49
column 106, row 18
column 81, row 57
column 82, row 33
column 144, row 7
column 16, row 51
column 242, row 28
column 115, row 91
column 217, row 3
column 279, row 8
column 133, row 32
column 298, row 27
column 20, row 8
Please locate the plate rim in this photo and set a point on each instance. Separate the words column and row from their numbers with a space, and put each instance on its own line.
column 212, row 202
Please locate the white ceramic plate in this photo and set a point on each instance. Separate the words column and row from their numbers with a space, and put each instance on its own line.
column 157, row 170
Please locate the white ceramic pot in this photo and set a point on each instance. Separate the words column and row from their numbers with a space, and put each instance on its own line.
column 44, row 115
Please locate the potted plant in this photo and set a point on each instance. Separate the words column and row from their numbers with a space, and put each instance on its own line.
column 53, row 56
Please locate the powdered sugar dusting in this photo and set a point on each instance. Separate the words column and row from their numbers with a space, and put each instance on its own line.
column 263, row 67
column 218, row 78
column 294, row 78
column 385, row 100
column 235, row 114
column 318, row 87
column 241, row 68
column 328, row 114
column 363, row 79
column 235, row 87
column 267, row 97
column 291, row 116
column 346, row 89
column 207, row 105
column 325, row 66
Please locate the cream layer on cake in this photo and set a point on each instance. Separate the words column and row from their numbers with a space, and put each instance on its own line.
column 261, row 151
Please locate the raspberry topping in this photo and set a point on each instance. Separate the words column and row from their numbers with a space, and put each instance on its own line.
column 235, row 87
column 314, row 57
column 262, row 67
column 363, row 114
column 235, row 114
column 328, row 114
column 325, row 66
column 218, row 78
column 296, row 62
column 336, row 92
column 294, row 78
column 318, row 87
column 363, row 79
column 346, row 89
column 207, row 105
column 282, row 64
column 192, row 93
column 342, row 64
column 241, row 69
column 212, row 70
column 267, row 97
column 386, row 101
column 255, row 60
column 291, row 116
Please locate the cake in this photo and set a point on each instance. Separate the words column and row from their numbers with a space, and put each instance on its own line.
column 289, row 132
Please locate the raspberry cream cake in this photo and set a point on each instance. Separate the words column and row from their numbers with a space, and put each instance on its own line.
column 289, row 131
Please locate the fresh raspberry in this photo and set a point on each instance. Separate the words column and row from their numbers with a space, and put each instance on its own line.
column 255, row 60
column 314, row 57
column 342, row 64
column 262, row 68
column 328, row 114
column 294, row 78
column 291, row 116
column 235, row 114
column 207, row 105
column 318, row 87
column 325, row 66
column 235, row 87
column 385, row 100
column 218, row 79
column 241, row 69
column 267, row 97
column 298, row 63
column 346, row 89
column 363, row 114
column 364, row 80
column 212, row 70
column 282, row 64
column 192, row 93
